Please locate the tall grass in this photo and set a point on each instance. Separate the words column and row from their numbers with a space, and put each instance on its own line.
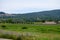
column 23, row 36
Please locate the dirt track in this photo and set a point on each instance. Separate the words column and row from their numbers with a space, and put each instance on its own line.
column 4, row 39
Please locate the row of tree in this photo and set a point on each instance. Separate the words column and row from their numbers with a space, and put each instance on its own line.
column 23, row 21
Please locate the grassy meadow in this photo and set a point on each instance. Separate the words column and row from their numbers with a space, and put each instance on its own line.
column 31, row 31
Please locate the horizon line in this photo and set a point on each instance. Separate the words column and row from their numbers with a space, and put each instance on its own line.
column 29, row 12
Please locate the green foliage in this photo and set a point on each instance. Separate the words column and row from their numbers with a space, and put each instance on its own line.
column 9, row 20
column 24, row 28
column 19, row 38
column 43, row 21
column 3, row 26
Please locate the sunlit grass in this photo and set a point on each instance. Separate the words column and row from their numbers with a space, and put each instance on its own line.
column 30, row 32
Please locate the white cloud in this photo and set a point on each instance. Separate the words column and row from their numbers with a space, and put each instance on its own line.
column 28, row 5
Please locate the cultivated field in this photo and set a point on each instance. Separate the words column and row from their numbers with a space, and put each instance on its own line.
column 30, row 31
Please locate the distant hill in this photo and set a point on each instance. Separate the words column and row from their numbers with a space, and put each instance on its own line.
column 44, row 15
column 2, row 13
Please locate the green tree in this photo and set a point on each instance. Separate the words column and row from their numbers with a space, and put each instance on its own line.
column 9, row 20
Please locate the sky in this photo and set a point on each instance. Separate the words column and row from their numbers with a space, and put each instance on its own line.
column 26, row 6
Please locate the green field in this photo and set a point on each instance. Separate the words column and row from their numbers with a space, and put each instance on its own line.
column 37, row 31
column 32, row 28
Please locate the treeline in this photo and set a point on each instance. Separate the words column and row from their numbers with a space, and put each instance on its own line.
column 24, row 21
column 15, row 21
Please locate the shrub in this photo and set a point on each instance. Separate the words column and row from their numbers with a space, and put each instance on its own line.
column 3, row 26
column 24, row 27
column 43, row 21
column 19, row 38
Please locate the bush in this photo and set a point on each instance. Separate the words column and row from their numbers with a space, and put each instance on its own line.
column 19, row 38
column 43, row 21
column 3, row 26
column 24, row 27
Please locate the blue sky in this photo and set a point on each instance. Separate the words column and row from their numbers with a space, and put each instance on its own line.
column 25, row 6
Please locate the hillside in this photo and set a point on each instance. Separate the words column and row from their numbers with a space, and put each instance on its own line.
column 34, row 16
